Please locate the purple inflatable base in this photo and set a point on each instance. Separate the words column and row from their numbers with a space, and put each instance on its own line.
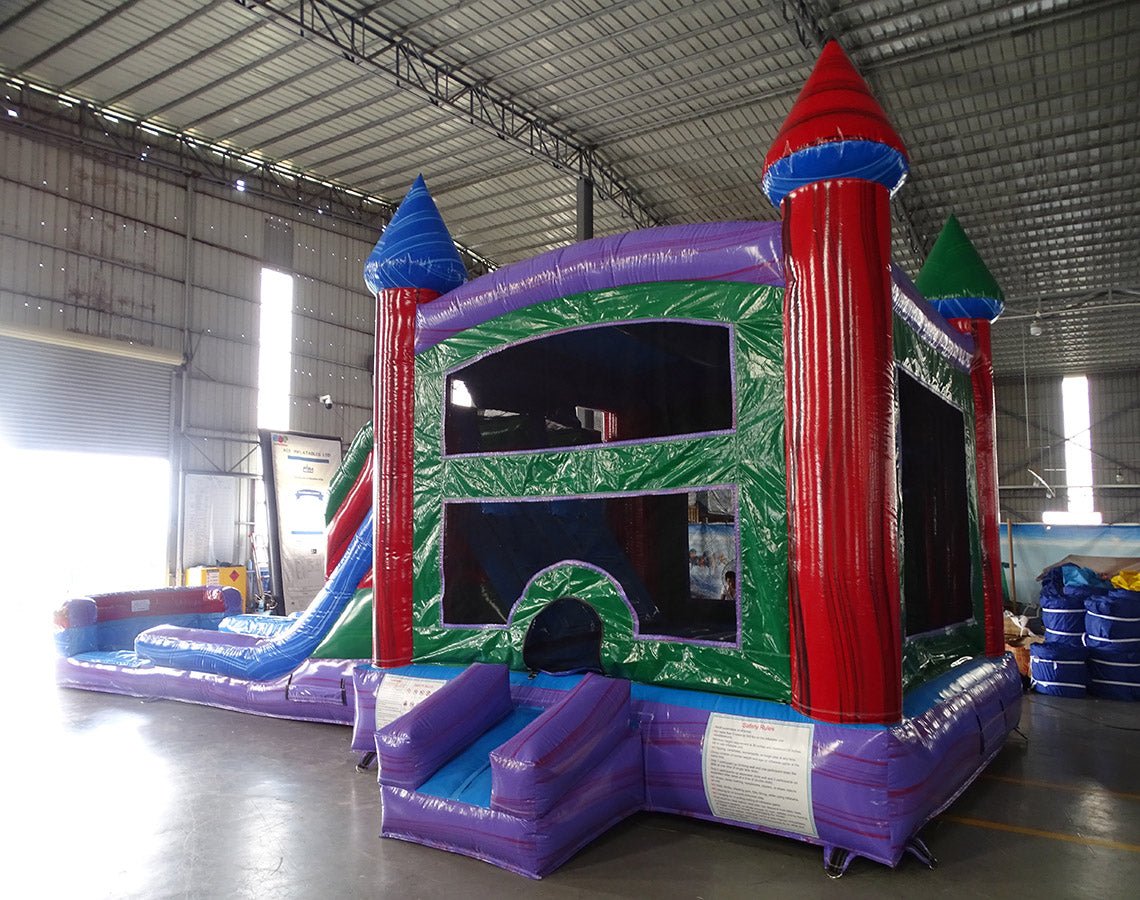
column 872, row 788
column 319, row 690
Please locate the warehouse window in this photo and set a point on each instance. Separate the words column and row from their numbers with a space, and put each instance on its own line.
column 1078, row 456
column 275, row 339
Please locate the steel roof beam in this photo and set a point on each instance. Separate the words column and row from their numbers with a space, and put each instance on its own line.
column 1013, row 28
column 310, row 124
column 21, row 14
column 363, row 42
column 270, row 89
column 669, row 65
column 182, row 64
column 713, row 26
column 228, row 77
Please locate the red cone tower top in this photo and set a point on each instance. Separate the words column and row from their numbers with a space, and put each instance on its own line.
column 835, row 129
column 835, row 104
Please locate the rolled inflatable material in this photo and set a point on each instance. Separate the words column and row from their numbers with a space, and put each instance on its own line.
column 1058, row 669
column 344, row 477
column 352, row 511
column 1114, row 673
column 1063, row 607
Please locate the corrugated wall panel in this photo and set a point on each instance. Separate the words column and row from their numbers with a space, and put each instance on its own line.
column 98, row 246
column 1114, row 407
column 1040, row 447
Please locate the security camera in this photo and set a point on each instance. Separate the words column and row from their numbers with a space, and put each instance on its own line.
column 326, row 400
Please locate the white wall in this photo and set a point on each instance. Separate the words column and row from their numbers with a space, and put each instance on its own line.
column 97, row 245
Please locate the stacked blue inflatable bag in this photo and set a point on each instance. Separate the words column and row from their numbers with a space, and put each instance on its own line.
column 1112, row 624
column 1092, row 637
column 1058, row 668
column 1064, row 591
column 1114, row 673
column 1113, row 620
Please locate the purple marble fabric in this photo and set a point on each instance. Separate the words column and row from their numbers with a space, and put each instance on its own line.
column 720, row 251
column 320, row 690
column 873, row 788
column 532, row 771
column 413, row 747
column 750, row 252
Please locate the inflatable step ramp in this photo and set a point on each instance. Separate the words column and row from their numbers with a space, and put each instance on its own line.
column 521, row 787
column 255, row 656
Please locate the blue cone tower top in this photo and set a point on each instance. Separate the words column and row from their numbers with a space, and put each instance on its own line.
column 416, row 249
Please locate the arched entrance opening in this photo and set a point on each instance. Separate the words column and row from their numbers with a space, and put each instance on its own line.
column 566, row 636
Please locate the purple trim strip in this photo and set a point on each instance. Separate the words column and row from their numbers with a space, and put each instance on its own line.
column 601, row 445
column 746, row 252
column 926, row 322
column 637, row 635
column 582, row 564
column 319, row 690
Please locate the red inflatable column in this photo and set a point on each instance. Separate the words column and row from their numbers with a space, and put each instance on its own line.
column 832, row 170
column 414, row 262
column 989, row 512
column 392, row 480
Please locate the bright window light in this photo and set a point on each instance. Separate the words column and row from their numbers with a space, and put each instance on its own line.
column 112, row 537
column 460, row 396
column 1078, row 456
column 274, row 357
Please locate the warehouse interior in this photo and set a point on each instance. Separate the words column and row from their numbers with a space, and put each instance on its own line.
column 171, row 171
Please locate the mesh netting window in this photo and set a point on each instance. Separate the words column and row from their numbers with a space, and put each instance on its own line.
column 935, row 510
column 623, row 382
column 674, row 556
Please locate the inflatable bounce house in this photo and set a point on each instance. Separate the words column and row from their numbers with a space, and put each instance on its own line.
column 698, row 519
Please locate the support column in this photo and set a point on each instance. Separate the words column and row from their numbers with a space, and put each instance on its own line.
column 585, row 208
column 392, row 480
column 831, row 171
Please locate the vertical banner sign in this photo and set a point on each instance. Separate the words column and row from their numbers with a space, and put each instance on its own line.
column 300, row 469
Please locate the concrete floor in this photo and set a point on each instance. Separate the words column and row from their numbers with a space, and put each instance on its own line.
column 117, row 797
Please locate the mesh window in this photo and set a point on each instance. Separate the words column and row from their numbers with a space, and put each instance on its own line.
column 935, row 511
column 675, row 560
column 625, row 382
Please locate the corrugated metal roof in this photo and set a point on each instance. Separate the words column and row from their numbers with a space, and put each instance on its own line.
column 1022, row 118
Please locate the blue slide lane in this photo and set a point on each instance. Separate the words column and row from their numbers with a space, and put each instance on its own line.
column 257, row 658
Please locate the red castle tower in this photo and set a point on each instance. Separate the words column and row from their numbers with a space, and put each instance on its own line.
column 414, row 262
column 831, row 171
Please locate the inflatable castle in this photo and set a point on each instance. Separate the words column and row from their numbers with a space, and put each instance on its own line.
column 697, row 519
